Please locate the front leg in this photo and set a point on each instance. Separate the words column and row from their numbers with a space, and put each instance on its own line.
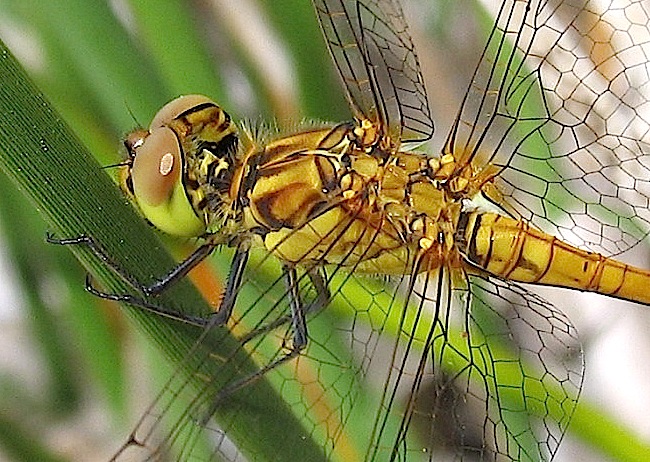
column 161, row 284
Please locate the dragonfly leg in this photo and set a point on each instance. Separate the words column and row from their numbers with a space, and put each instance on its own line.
column 323, row 295
column 319, row 282
column 297, row 319
column 139, row 302
column 297, row 311
column 160, row 285
column 233, row 284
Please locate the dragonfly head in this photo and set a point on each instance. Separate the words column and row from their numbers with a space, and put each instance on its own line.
column 178, row 167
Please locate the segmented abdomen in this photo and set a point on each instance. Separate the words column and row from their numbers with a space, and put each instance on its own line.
column 513, row 250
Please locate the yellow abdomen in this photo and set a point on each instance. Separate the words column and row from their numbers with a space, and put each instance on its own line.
column 512, row 250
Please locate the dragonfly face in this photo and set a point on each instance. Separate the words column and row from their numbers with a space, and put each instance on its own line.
column 333, row 202
column 180, row 170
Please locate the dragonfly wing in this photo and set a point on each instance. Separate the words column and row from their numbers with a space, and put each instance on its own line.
column 375, row 57
column 224, row 386
column 559, row 104
column 496, row 375
column 400, row 369
column 221, row 388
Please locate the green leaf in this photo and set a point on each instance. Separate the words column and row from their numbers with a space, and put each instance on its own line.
column 75, row 196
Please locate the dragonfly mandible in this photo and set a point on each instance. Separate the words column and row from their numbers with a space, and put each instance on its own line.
column 543, row 174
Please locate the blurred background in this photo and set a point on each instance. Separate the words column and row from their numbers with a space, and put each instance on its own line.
column 74, row 374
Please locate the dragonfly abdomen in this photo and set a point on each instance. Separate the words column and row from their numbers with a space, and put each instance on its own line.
column 513, row 250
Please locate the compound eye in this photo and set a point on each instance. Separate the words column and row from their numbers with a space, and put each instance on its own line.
column 176, row 107
column 157, row 179
column 156, row 167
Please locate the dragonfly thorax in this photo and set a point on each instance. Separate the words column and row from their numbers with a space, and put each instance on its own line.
column 320, row 197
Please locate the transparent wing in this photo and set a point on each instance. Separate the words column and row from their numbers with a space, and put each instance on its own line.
column 400, row 370
column 487, row 372
column 221, row 390
column 560, row 104
column 375, row 57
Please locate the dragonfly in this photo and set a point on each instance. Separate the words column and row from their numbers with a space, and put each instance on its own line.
column 543, row 179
